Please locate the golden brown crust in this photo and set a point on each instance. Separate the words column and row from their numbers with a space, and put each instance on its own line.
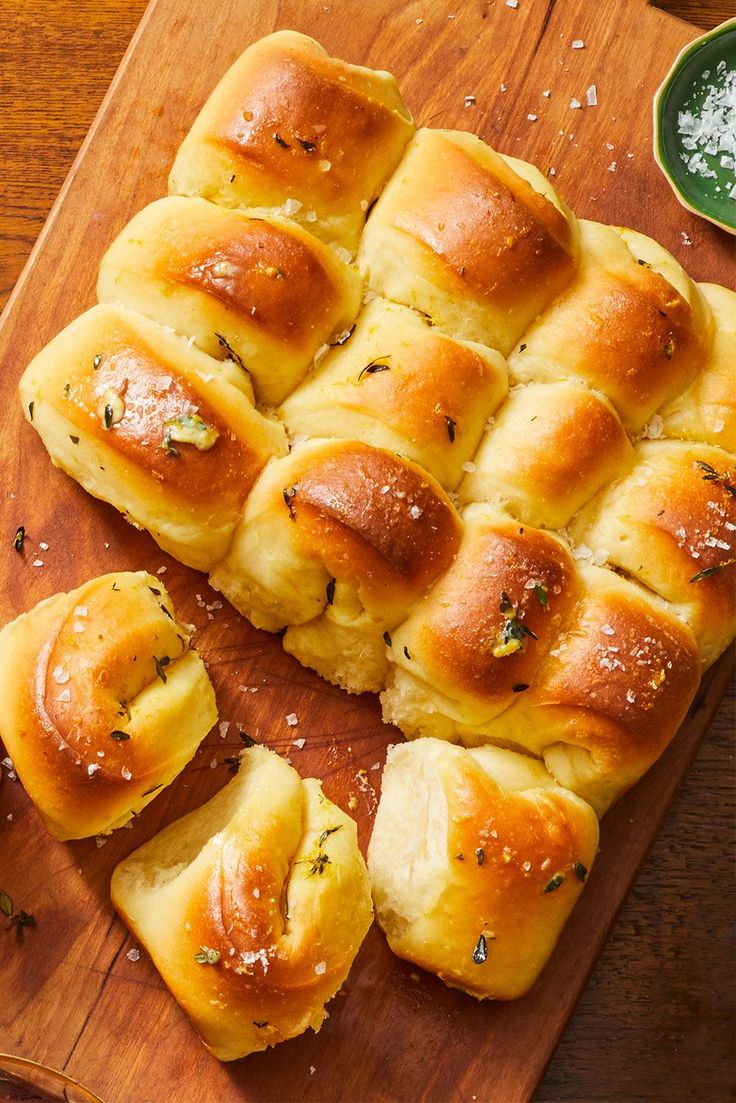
column 491, row 233
column 553, row 445
column 617, row 682
column 376, row 520
column 465, row 636
column 672, row 523
column 93, row 683
column 219, row 478
column 259, row 270
column 621, row 327
column 252, row 907
column 472, row 879
column 290, row 116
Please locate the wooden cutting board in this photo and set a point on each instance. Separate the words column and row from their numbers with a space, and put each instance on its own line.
column 71, row 997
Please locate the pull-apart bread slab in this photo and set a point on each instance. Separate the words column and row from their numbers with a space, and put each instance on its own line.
column 102, row 702
column 253, row 907
column 531, row 557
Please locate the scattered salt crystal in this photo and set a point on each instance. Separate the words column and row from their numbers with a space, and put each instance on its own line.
column 312, row 1069
column 257, row 893
column 43, row 546
column 684, row 238
column 419, row 22
column 291, row 206
column 224, row 725
column 342, row 254
column 512, row 3
column 503, row 87
column 469, row 101
column 551, row 171
column 60, row 675
column 8, row 764
column 612, row 166
column 582, row 551
column 609, row 145
column 469, row 466
column 37, row 563
column 161, row 570
column 320, row 967
column 655, row 428
column 213, row 763
column 591, row 96
column 126, row 773
column 81, row 611
column 101, row 840
column 415, row 512
column 299, row 743
column 133, row 954
column 607, row 629
column 93, row 768
column 547, row 93
column 310, row 216
column 292, row 719
column 578, row 44
column 324, row 166
column 78, row 626
column 532, row 118
column 65, row 696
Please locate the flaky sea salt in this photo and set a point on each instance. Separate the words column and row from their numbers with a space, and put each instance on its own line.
column 709, row 130
column 575, row 104
column 292, row 719
column 591, row 96
column 133, row 954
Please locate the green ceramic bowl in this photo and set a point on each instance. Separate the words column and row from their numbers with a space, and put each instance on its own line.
column 685, row 89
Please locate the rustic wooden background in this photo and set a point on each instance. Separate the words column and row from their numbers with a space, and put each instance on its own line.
column 656, row 1021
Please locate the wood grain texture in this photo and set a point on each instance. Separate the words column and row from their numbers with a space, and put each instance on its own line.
column 655, row 1022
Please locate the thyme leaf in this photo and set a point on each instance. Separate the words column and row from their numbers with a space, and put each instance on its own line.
column 375, row 366
column 579, row 870
column 326, row 834
column 480, row 953
column 330, row 591
column 289, row 495
column 19, row 539
column 451, row 427
column 554, row 883
column 207, row 956
column 160, row 664
column 230, row 353
column 119, row 736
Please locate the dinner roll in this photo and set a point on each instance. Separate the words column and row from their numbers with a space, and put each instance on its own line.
column 480, row 242
column 400, row 384
column 476, row 860
column 252, row 908
column 261, row 292
column 597, row 689
column 474, row 644
column 550, row 448
column 635, row 329
column 291, row 129
column 706, row 411
column 671, row 523
column 162, row 431
column 102, row 702
column 338, row 540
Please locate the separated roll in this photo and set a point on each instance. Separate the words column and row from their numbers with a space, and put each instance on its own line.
column 290, row 129
column 102, row 702
column 477, row 859
column 252, row 908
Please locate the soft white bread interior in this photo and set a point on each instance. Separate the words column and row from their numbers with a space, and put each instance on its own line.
column 160, row 430
column 252, row 908
column 398, row 383
column 290, row 129
column 102, row 702
column 637, row 329
column 476, row 861
column 261, row 291
column 337, row 542
column 479, row 242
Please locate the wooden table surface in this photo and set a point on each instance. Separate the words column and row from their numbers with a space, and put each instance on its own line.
column 656, row 1021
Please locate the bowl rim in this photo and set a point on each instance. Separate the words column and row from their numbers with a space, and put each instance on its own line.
column 686, row 52
column 14, row 1063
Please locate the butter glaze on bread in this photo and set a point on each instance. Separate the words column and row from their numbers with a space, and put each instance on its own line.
column 477, row 859
column 480, row 242
column 338, row 540
column 262, row 290
column 671, row 523
column 400, row 384
column 550, row 448
column 266, row 883
column 189, row 492
column 102, row 702
column 621, row 327
column 597, row 694
column 291, row 129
